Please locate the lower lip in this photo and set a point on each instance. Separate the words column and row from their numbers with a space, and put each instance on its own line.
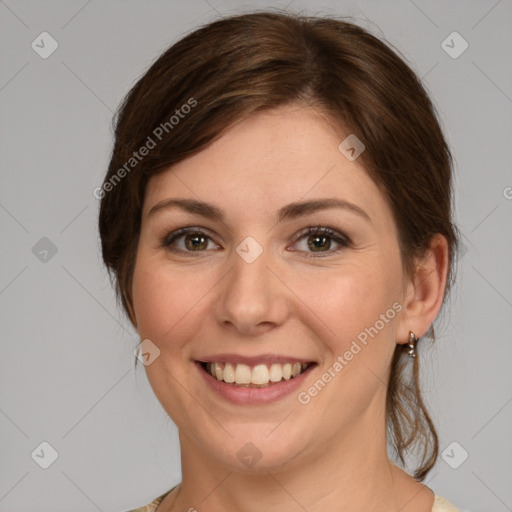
column 252, row 396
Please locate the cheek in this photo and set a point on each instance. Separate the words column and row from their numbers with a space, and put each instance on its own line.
column 348, row 300
column 164, row 301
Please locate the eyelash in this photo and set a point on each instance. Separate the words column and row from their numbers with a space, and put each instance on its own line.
column 334, row 235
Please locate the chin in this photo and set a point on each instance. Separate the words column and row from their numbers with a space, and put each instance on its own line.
column 256, row 451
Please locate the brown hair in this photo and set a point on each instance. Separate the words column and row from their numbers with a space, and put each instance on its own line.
column 235, row 66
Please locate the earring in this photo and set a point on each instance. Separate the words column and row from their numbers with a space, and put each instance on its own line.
column 412, row 344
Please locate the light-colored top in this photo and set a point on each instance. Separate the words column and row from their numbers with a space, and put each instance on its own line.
column 440, row 504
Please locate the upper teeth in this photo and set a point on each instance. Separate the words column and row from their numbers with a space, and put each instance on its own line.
column 261, row 374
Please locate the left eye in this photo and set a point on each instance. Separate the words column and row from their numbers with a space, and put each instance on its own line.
column 320, row 240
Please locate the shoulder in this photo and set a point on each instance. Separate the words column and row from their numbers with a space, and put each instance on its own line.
column 151, row 507
column 443, row 505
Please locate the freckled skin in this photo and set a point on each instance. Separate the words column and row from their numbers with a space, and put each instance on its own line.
column 330, row 453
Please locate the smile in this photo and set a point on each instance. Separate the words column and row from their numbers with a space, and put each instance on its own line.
column 257, row 376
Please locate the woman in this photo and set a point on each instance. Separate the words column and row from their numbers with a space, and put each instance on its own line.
column 277, row 220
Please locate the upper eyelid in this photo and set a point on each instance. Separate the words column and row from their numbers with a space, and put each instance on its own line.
column 177, row 233
column 321, row 229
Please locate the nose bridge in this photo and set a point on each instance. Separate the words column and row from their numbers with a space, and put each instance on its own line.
column 250, row 271
column 251, row 296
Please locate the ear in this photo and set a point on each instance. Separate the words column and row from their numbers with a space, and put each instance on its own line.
column 423, row 294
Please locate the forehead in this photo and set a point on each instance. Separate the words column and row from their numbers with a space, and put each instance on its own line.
column 267, row 160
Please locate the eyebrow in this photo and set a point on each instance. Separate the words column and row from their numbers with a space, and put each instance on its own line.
column 288, row 212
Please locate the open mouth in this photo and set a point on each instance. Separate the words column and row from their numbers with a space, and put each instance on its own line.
column 257, row 376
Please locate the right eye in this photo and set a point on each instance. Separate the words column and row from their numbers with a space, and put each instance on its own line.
column 189, row 240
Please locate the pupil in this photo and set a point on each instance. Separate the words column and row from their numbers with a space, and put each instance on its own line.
column 319, row 242
column 195, row 242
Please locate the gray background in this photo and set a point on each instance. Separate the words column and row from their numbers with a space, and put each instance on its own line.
column 67, row 373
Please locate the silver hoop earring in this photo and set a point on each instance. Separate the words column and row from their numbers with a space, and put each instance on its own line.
column 412, row 345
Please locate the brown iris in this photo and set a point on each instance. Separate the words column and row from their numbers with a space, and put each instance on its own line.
column 195, row 241
column 319, row 242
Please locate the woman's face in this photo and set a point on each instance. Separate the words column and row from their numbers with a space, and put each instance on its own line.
column 248, row 285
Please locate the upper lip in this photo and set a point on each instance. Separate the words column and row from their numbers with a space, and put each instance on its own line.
column 252, row 360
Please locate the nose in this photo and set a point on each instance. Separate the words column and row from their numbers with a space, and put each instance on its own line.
column 252, row 300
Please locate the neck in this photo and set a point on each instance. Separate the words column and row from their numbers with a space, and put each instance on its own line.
column 350, row 472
